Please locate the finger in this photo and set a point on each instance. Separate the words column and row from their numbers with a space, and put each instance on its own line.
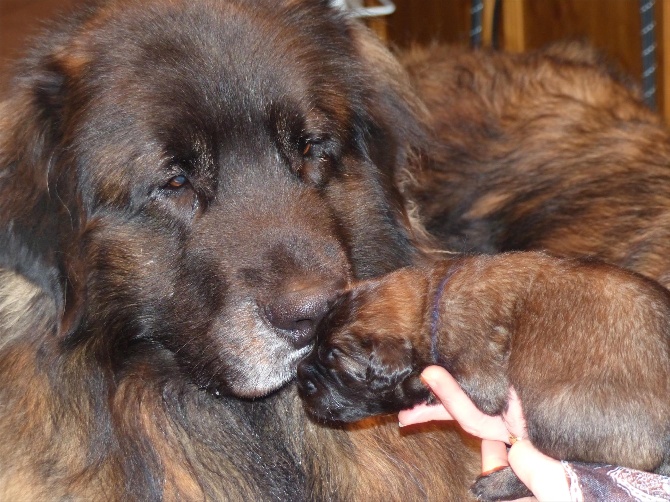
column 513, row 417
column 494, row 455
column 543, row 475
column 461, row 408
column 423, row 413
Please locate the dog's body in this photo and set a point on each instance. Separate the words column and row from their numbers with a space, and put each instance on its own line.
column 184, row 187
column 585, row 345
column 549, row 150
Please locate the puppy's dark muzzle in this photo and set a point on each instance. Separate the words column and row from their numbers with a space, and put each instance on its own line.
column 308, row 379
column 317, row 393
column 324, row 399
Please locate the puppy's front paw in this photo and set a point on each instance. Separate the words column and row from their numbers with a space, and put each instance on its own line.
column 499, row 485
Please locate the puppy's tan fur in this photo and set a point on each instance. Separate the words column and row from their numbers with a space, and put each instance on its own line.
column 586, row 346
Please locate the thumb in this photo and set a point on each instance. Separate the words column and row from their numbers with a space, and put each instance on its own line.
column 543, row 475
column 494, row 455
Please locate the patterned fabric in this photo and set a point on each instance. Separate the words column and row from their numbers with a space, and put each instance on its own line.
column 597, row 482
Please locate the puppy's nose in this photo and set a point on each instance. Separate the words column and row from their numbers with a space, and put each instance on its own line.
column 306, row 382
column 298, row 312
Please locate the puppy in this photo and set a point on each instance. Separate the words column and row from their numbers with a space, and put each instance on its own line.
column 586, row 346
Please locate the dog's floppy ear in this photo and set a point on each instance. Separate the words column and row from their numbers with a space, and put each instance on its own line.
column 396, row 131
column 398, row 116
column 40, row 210
column 390, row 363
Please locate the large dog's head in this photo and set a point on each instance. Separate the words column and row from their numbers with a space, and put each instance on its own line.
column 201, row 176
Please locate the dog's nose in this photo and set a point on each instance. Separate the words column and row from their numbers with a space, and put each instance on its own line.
column 298, row 312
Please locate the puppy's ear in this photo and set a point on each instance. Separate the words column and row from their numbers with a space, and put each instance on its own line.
column 390, row 363
column 40, row 209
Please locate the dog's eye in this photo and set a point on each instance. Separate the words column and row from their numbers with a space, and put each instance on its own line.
column 314, row 149
column 177, row 182
column 307, row 149
column 316, row 159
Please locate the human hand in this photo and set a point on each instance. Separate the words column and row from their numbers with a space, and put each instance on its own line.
column 456, row 405
column 543, row 475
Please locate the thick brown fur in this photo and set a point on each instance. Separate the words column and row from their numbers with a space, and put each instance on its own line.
column 586, row 346
column 183, row 187
column 549, row 150
column 185, row 183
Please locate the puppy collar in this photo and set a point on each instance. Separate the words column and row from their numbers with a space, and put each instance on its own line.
column 435, row 312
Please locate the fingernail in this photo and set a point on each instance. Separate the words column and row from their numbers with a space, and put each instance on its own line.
column 495, row 469
column 424, row 381
column 400, row 424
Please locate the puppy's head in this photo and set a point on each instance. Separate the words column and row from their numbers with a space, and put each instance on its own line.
column 370, row 351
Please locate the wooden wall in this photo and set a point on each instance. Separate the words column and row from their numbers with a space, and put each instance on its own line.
column 611, row 25
column 19, row 19
column 425, row 21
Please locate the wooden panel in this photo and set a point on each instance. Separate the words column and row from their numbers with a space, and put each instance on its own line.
column 427, row 21
column 19, row 19
column 612, row 25
column 514, row 25
column 662, row 53
column 488, row 20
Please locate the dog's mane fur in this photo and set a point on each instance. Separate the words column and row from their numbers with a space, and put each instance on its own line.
column 70, row 421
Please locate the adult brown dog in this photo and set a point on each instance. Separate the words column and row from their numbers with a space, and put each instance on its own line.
column 184, row 185
column 585, row 345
